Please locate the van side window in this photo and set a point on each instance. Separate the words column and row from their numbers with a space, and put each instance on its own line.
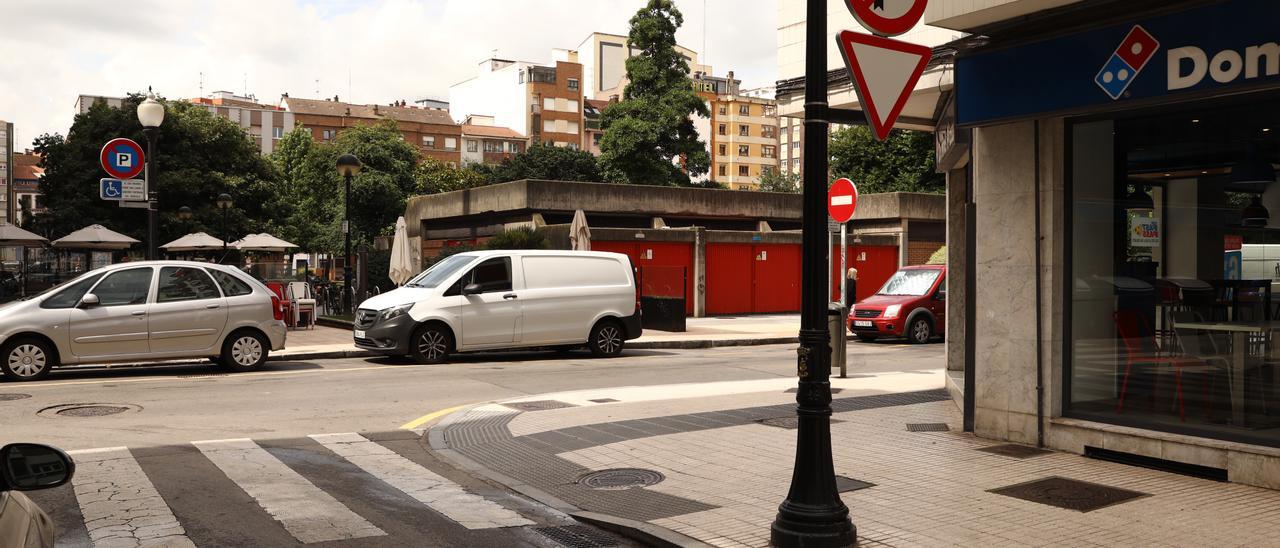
column 492, row 275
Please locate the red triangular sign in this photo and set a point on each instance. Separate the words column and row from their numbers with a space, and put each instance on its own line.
column 884, row 72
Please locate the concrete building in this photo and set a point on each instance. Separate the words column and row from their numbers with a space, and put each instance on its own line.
column 604, row 64
column 434, row 133
column 592, row 114
column 541, row 101
column 27, row 198
column 741, row 133
column 725, row 252
column 486, row 143
column 6, row 171
column 265, row 124
column 83, row 102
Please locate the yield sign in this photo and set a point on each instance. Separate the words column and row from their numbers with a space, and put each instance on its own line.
column 842, row 200
column 885, row 73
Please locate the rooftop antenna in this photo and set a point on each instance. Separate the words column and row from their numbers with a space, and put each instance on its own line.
column 246, row 83
column 317, row 87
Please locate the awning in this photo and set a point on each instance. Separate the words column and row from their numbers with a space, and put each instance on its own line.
column 198, row 241
column 95, row 237
column 11, row 235
column 263, row 242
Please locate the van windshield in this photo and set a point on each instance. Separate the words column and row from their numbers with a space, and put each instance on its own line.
column 910, row 283
column 442, row 271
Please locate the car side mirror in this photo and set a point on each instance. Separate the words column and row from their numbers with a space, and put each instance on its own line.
column 89, row 301
column 29, row 466
column 472, row 289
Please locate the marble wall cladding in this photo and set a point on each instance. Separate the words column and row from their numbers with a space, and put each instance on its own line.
column 1253, row 469
column 956, row 242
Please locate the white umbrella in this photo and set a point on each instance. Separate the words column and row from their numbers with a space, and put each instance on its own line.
column 95, row 237
column 401, row 262
column 579, row 232
column 263, row 242
column 198, row 241
column 11, row 235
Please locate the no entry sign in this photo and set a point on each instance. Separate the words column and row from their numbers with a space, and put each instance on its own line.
column 888, row 17
column 842, row 200
column 122, row 158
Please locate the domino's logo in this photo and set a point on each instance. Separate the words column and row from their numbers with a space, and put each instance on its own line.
column 1137, row 49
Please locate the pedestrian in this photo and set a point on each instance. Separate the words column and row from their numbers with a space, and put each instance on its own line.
column 851, row 286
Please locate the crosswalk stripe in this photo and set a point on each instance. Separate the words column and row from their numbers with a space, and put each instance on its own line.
column 120, row 505
column 437, row 492
column 308, row 513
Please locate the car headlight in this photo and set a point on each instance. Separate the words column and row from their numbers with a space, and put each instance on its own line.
column 394, row 312
column 892, row 311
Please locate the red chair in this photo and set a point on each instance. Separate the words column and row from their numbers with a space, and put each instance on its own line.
column 1130, row 327
column 279, row 289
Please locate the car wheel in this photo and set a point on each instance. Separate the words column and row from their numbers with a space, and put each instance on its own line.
column 921, row 331
column 244, row 351
column 866, row 338
column 27, row 359
column 430, row 344
column 606, row 339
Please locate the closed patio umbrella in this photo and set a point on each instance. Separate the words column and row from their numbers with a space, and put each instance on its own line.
column 401, row 269
column 95, row 237
column 579, row 232
column 198, row 241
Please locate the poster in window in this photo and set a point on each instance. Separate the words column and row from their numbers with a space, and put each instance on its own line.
column 100, row 259
column 1144, row 232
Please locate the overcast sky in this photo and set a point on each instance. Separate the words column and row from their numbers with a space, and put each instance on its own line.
column 55, row 50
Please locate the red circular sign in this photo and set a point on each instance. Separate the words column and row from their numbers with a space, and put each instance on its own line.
column 842, row 200
column 888, row 17
column 122, row 158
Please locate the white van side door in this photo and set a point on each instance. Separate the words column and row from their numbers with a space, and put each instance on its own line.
column 491, row 316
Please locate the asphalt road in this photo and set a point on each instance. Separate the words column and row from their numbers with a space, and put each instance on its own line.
column 315, row 452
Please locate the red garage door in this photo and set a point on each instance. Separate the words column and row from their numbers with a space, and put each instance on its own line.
column 753, row 279
column 729, row 279
column 777, row 278
column 666, row 268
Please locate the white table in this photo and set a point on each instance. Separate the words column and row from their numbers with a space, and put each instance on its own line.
column 1240, row 332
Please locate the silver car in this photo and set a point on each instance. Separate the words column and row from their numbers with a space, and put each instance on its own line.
column 143, row 311
column 29, row 467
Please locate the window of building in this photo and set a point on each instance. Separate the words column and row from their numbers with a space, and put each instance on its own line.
column 548, row 126
column 744, row 110
column 450, row 143
column 521, row 76
column 744, row 150
column 724, row 170
column 769, row 151
column 429, row 141
column 724, row 149
column 571, row 106
column 595, row 139
column 744, row 130
column 549, row 103
column 769, row 132
column 744, row 171
column 277, row 132
column 326, row 135
column 573, row 146
column 573, row 84
column 492, row 146
column 724, row 110
column 474, row 146
column 724, row 130
column 571, row 127
column 770, row 110
column 1171, row 258
column 766, row 170
column 517, row 148
column 786, row 164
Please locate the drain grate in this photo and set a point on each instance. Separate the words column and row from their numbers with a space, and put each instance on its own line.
column 92, row 411
column 621, row 478
column 790, row 423
column 846, row 484
column 12, row 397
column 540, row 405
column 794, row 390
column 1070, row 494
column 577, row 536
column 1014, row 450
column 928, row 427
column 604, row 400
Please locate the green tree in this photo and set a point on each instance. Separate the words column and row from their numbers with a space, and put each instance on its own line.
column 542, row 161
column 905, row 162
column 780, row 181
column 434, row 177
column 649, row 137
column 198, row 156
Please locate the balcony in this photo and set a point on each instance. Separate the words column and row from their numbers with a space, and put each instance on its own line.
column 542, row 75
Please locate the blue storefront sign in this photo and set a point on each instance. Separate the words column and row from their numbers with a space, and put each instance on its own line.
column 1232, row 46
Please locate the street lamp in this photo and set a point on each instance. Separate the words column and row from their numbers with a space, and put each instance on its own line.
column 224, row 203
column 348, row 167
column 150, row 115
column 813, row 514
column 184, row 213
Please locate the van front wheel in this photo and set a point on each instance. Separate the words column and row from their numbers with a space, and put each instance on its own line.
column 430, row 344
column 607, row 339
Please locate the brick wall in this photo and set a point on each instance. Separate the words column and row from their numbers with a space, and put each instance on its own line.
column 918, row 253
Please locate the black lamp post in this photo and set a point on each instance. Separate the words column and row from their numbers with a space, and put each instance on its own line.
column 224, row 203
column 813, row 514
column 151, row 115
column 348, row 167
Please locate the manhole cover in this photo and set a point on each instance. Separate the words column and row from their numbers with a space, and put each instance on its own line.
column 11, row 397
column 847, row 484
column 87, row 409
column 1068, row 493
column 790, row 423
column 541, row 405
column 621, row 478
column 928, row 427
column 1014, row 450
column 577, row 536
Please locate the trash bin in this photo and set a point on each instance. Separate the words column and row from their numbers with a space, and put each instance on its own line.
column 663, row 313
column 836, row 317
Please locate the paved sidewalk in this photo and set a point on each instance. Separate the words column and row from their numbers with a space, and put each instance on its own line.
column 727, row 465
column 702, row 333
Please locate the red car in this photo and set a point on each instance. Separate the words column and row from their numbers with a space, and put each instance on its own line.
column 912, row 304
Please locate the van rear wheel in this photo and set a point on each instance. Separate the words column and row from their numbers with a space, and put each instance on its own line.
column 607, row 339
column 430, row 344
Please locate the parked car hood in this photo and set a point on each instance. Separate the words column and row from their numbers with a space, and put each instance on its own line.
column 878, row 302
column 397, row 297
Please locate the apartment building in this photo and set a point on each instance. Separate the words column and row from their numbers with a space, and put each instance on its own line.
column 604, row 64
column 265, row 124
column 432, row 130
column 741, row 133
column 541, row 101
column 593, row 131
column 27, row 198
column 6, row 171
column 483, row 142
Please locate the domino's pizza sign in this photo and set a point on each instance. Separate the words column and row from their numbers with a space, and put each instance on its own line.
column 1138, row 48
column 1221, row 47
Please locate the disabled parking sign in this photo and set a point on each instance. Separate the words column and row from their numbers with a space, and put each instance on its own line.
column 122, row 158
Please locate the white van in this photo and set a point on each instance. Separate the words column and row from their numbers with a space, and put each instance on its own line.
column 487, row 300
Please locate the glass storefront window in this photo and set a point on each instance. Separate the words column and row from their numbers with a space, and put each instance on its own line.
column 1175, row 272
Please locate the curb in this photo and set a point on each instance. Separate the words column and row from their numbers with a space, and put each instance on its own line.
column 647, row 533
column 327, row 355
column 339, row 324
column 709, row 343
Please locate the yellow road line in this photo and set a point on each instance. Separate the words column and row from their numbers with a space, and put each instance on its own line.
column 430, row 417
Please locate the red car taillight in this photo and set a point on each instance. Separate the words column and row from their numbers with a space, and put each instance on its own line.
column 276, row 309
